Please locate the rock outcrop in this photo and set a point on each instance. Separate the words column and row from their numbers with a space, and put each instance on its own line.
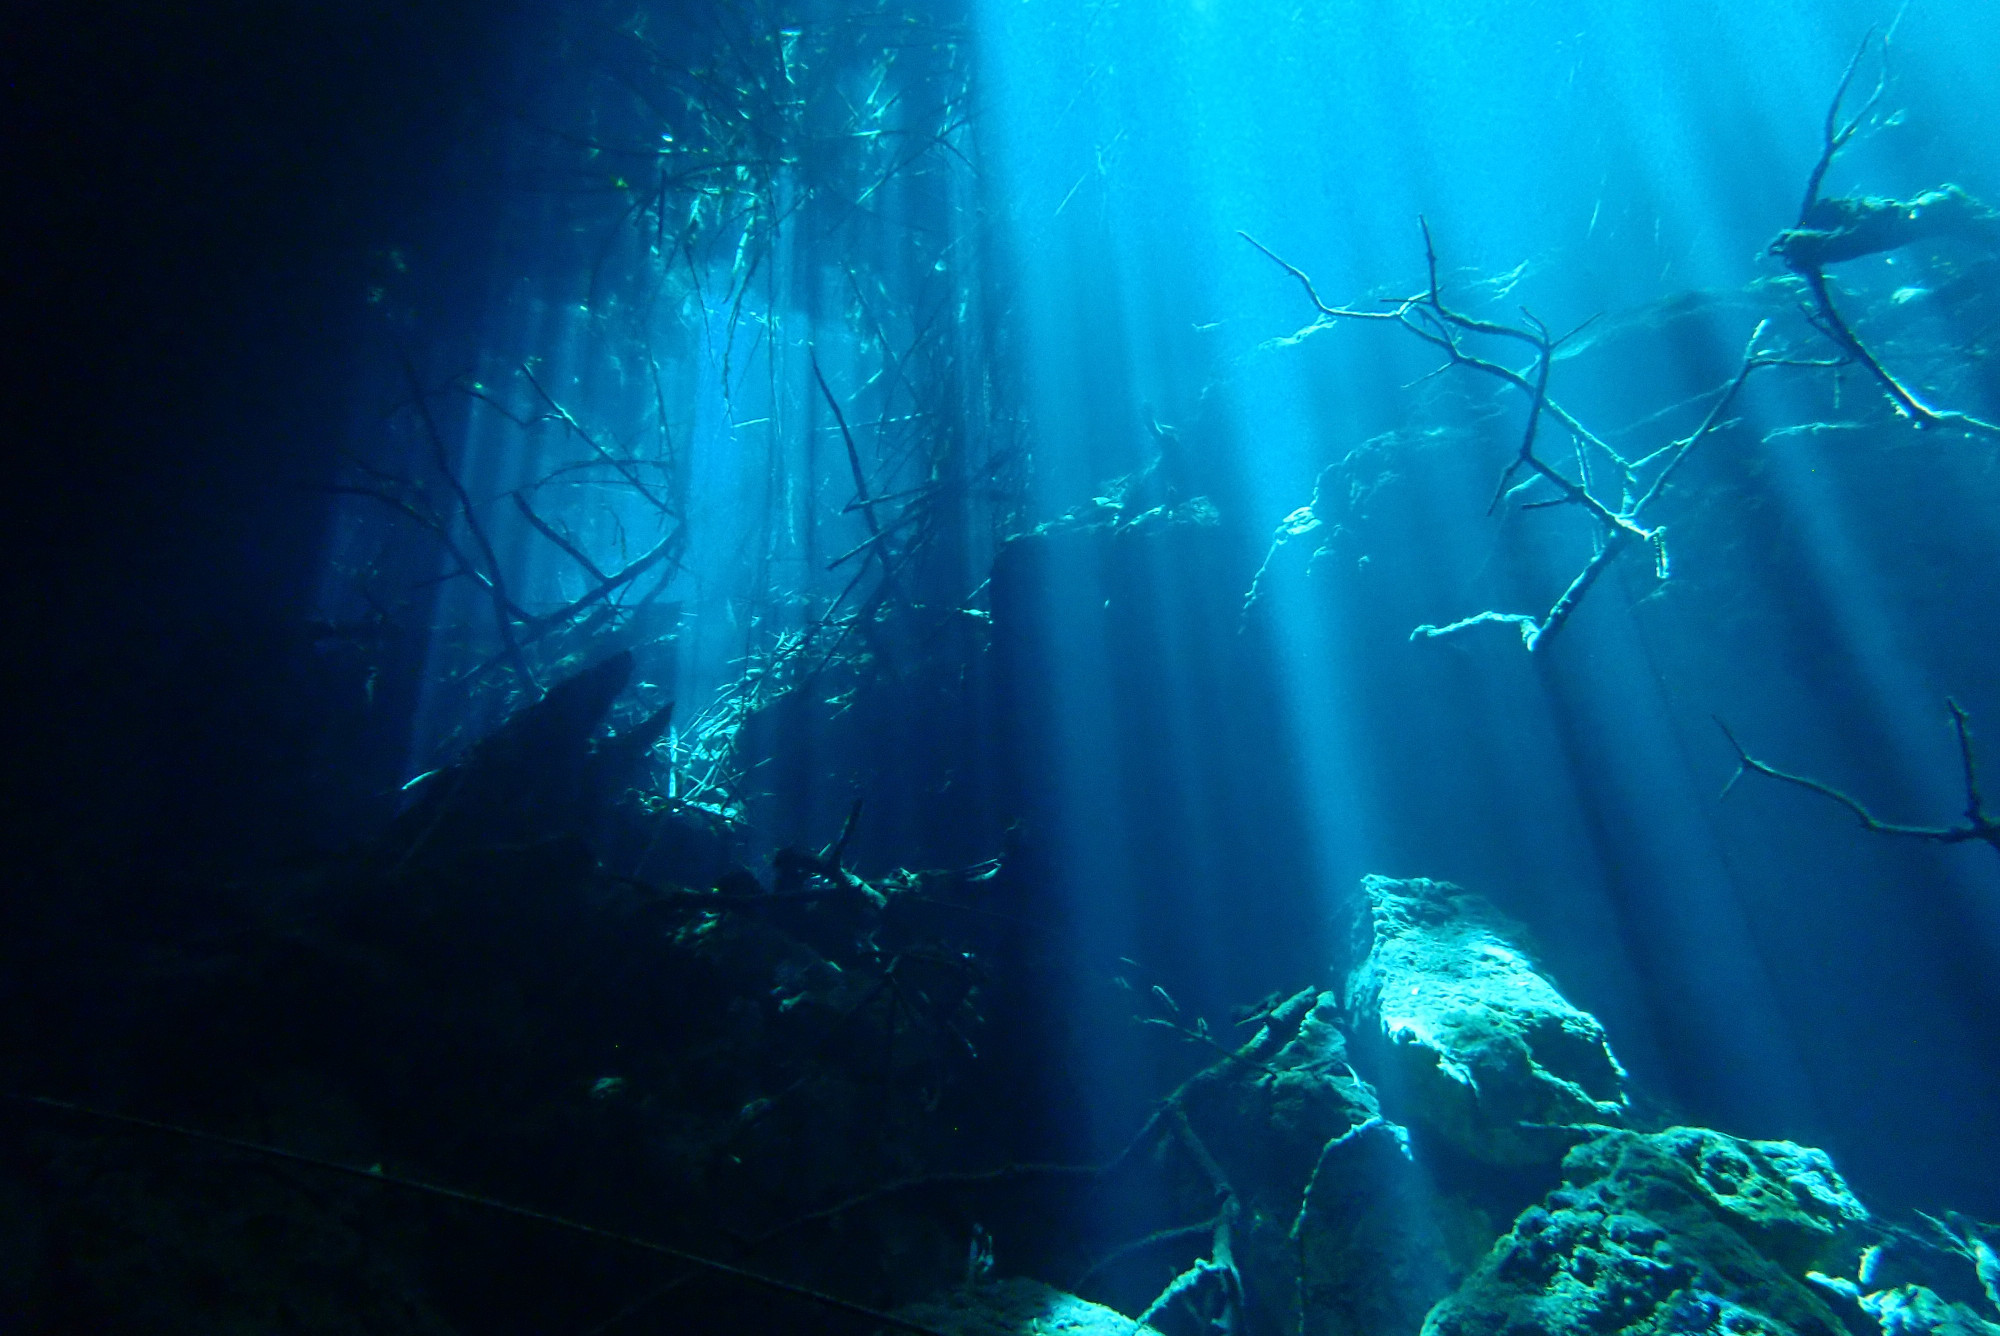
column 1372, row 1257
column 1938, row 1278
column 1681, row 1231
column 1468, row 1038
column 1335, row 1220
column 1020, row 1307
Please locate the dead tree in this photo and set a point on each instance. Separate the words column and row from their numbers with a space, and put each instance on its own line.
column 1619, row 524
column 531, row 641
column 786, row 179
column 1979, row 824
column 1830, row 230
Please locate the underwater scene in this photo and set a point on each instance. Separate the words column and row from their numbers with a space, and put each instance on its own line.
column 1003, row 667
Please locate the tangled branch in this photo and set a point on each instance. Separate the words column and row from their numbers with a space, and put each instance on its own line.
column 1619, row 525
column 1848, row 227
column 1829, row 230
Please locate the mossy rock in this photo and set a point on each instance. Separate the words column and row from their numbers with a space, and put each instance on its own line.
column 1683, row 1231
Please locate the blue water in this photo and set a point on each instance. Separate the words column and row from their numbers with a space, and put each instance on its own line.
column 1061, row 615
column 1763, row 959
column 1199, row 777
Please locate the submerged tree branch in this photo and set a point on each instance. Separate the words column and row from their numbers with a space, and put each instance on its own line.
column 1828, row 230
column 492, row 577
column 1621, row 524
column 1846, row 228
column 1978, row 825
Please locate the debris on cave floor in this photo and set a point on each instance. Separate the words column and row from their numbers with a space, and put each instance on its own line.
column 816, row 1083
column 476, row 1000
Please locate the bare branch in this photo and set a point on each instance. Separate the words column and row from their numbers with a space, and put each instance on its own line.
column 493, row 577
column 866, row 506
column 1312, row 293
column 1830, row 230
column 1153, row 1240
column 548, row 531
column 624, row 467
column 1978, row 825
column 1974, row 807
column 1836, row 134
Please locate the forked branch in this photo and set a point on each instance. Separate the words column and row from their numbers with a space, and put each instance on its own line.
column 1978, row 825
column 1849, row 227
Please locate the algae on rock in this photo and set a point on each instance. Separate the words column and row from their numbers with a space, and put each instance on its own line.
column 1681, row 1231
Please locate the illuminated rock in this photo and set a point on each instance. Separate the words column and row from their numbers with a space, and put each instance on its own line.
column 1933, row 1277
column 1020, row 1307
column 1466, row 1037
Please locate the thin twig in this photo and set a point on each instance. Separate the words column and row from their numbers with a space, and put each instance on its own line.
column 549, row 531
column 624, row 467
column 495, row 580
column 1152, row 1240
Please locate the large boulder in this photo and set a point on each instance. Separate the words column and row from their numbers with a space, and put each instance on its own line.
column 1467, row 1037
column 1683, row 1231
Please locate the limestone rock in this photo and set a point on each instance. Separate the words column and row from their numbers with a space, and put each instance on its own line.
column 1371, row 1255
column 1469, row 1039
column 1020, row 1307
column 1267, row 1119
column 1912, row 1310
column 1682, row 1231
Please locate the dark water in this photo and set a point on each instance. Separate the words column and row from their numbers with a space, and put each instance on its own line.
column 901, row 387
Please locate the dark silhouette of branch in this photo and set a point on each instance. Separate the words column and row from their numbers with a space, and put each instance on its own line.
column 1836, row 133
column 624, row 467
column 839, row 849
column 1978, row 825
column 549, row 531
column 436, row 528
column 492, row 577
column 861, row 500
